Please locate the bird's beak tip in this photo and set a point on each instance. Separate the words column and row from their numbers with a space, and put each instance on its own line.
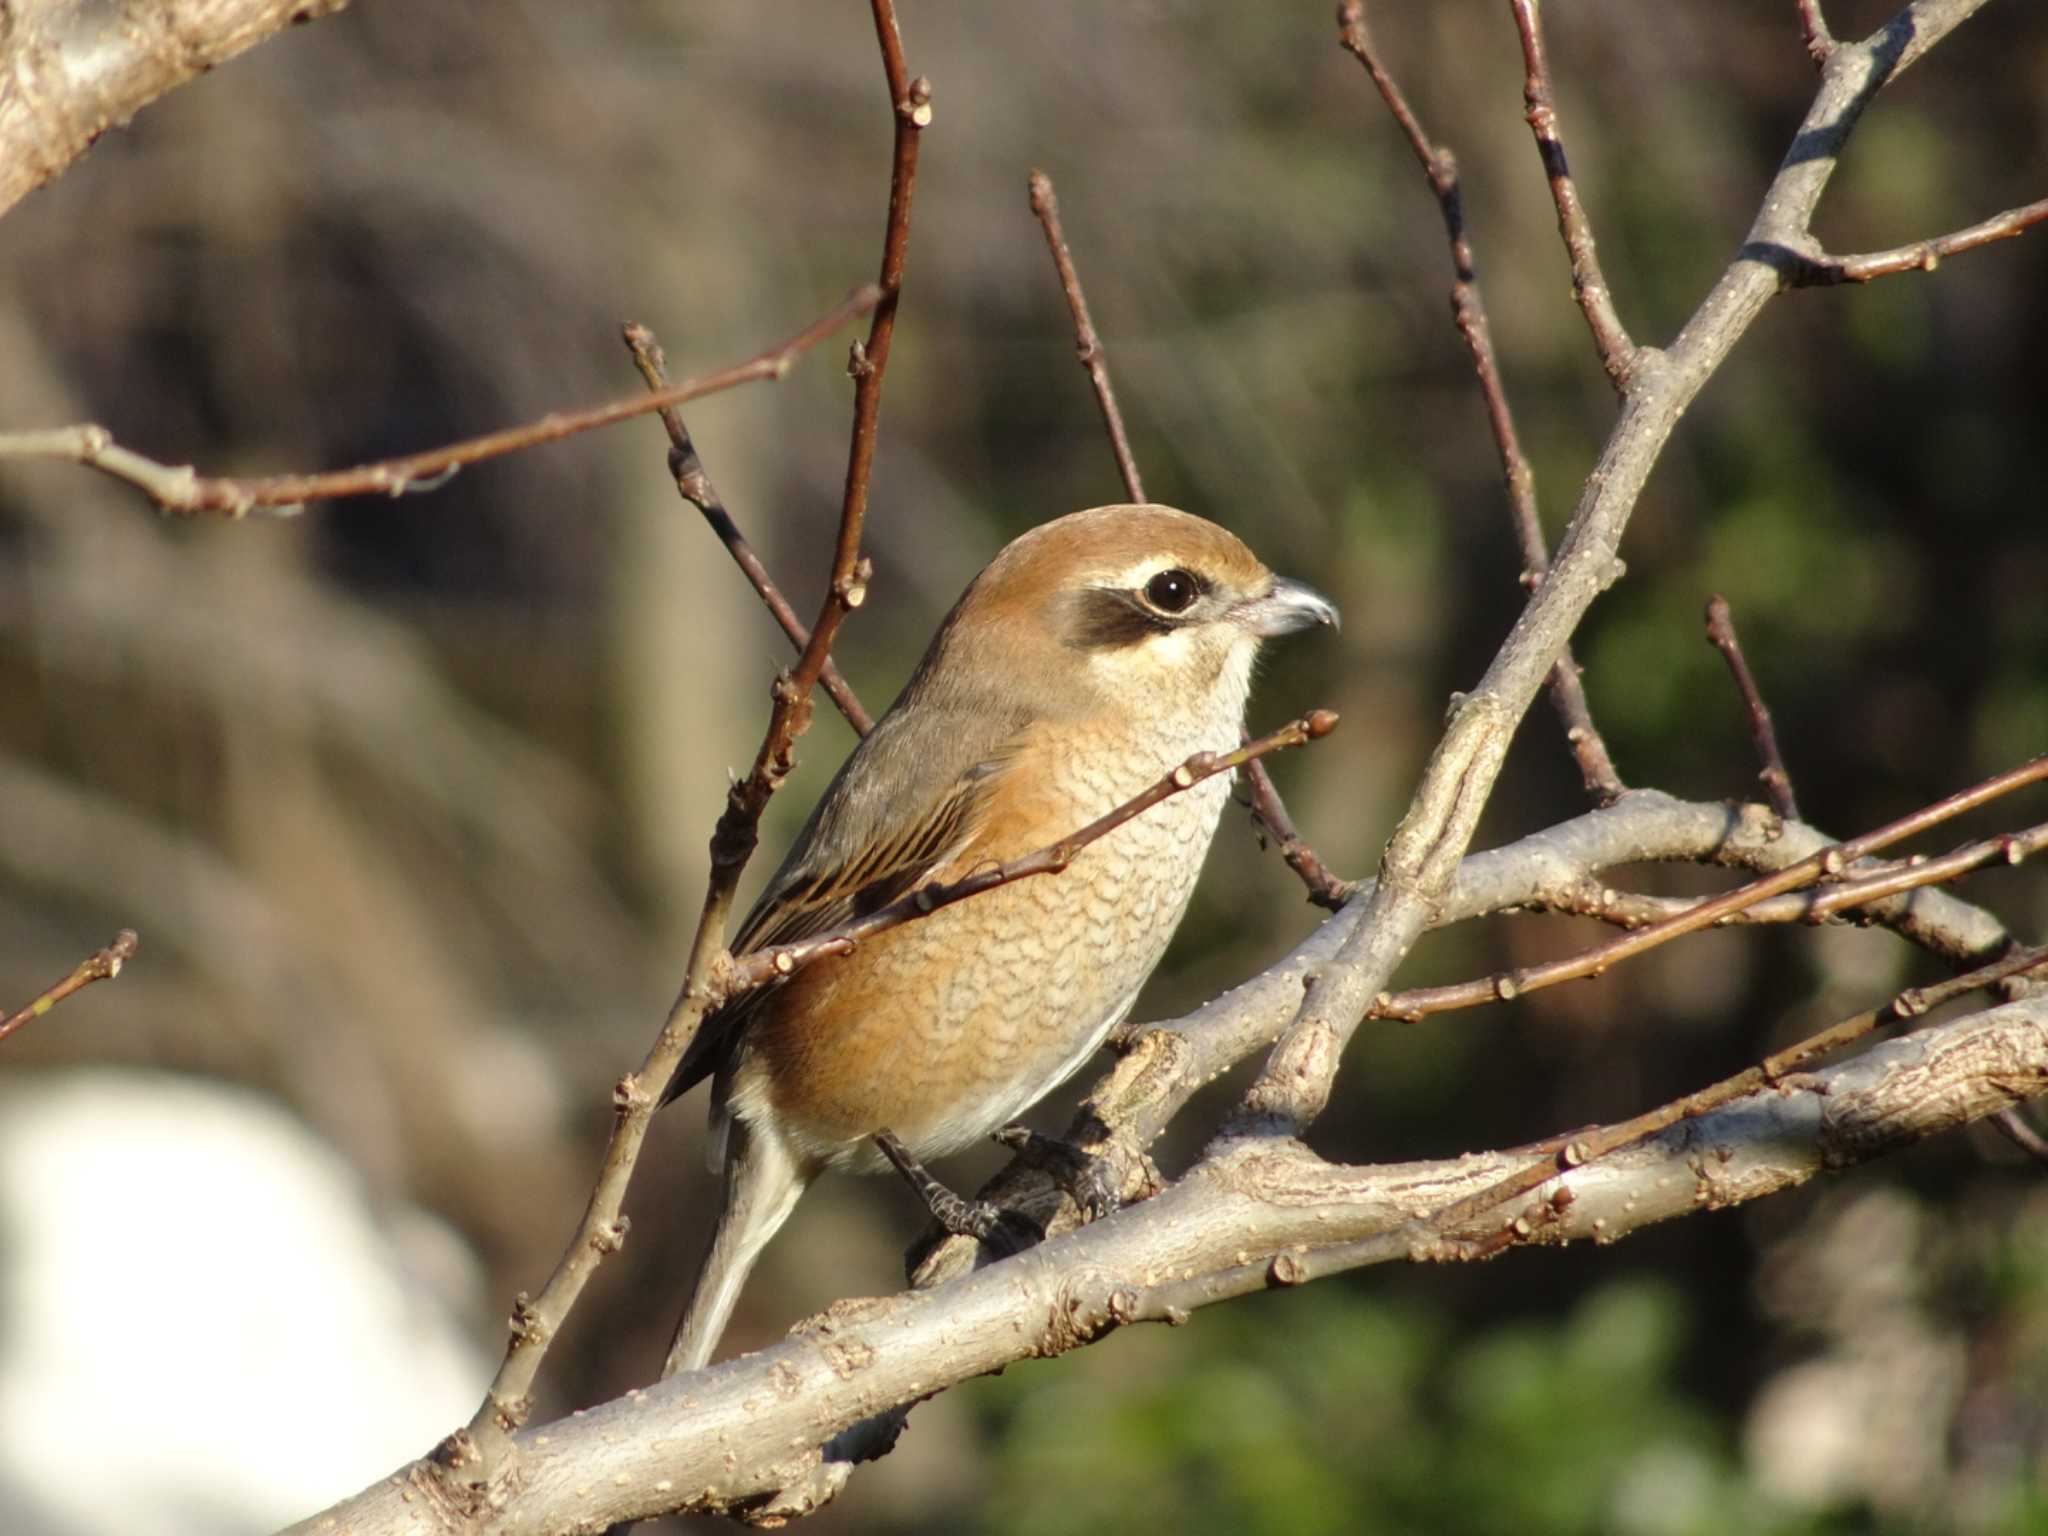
column 1288, row 606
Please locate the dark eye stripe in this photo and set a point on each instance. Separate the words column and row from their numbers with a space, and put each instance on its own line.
column 1109, row 618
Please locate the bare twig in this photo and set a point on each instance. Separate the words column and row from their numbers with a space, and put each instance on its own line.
column 738, row 828
column 693, row 484
column 1776, row 781
column 1424, row 852
column 2015, row 1128
column 102, row 965
column 1875, row 882
column 1468, row 310
column 1563, row 1153
column 1918, row 873
column 1589, row 283
column 1921, row 256
column 1269, row 811
column 768, row 965
column 1087, row 345
column 478, row 1454
column 1813, row 26
column 1324, row 888
column 1161, row 1066
column 181, row 490
column 912, row 100
column 1829, row 864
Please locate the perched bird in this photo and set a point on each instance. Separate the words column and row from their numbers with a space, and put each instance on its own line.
column 1092, row 656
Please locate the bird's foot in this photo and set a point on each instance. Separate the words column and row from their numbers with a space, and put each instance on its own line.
column 1089, row 1180
column 958, row 1215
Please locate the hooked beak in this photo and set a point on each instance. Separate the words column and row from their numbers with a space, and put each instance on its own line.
column 1285, row 607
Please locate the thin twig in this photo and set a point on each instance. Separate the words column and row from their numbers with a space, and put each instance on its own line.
column 2013, row 1125
column 102, row 965
column 1776, row 781
column 1269, row 811
column 1421, row 860
column 1087, row 345
column 477, row 1453
column 764, row 966
column 1566, row 1152
column 732, row 843
column 1589, row 283
column 1829, row 864
column 181, row 490
column 1589, row 896
column 1813, row 26
column 1561, row 1154
column 1917, row 873
column 693, row 484
column 1468, row 310
column 1921, row 256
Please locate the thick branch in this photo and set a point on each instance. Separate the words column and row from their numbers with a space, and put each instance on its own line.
column 1828, row 863
column 71, row 70
column 1423, row 855
column 721, row 1439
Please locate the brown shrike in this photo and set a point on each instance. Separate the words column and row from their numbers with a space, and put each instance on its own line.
column 1092, row 656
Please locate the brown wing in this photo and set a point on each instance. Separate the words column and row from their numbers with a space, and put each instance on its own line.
column 851, row 858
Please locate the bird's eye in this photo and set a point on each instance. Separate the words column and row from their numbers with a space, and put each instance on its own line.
column 1173, row 591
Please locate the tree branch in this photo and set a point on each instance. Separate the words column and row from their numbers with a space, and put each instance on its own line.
column 674, row 1446
column 763, row 966
column 1468, row 311
column 1424, row 853
column 1087, row 345
column 1589, row 283
column 102, row 965
column 1813, row 26
column 693, row 484
column 1921, row 256
column 181, row 490
column 1776, row 781
column 68, row 73
column 481, row 1455
column 1268, row 810
column 1326, row 888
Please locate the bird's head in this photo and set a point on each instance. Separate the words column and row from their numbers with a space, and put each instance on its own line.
column 1145, row 608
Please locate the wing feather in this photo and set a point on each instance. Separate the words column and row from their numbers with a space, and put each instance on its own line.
column 861, row 850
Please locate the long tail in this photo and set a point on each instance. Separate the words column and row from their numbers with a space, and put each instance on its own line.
column 762, row 1183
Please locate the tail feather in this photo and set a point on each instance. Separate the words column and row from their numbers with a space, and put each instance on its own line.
column 761, row 1185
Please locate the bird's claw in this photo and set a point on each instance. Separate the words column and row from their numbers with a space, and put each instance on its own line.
column 1090, row 1181
column 958, row 1215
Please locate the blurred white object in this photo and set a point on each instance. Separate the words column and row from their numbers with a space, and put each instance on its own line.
column 204, row 1327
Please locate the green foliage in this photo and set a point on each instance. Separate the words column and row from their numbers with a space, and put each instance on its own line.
column 1330, row 1411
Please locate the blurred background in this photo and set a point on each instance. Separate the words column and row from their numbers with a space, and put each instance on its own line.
column 409, row 799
